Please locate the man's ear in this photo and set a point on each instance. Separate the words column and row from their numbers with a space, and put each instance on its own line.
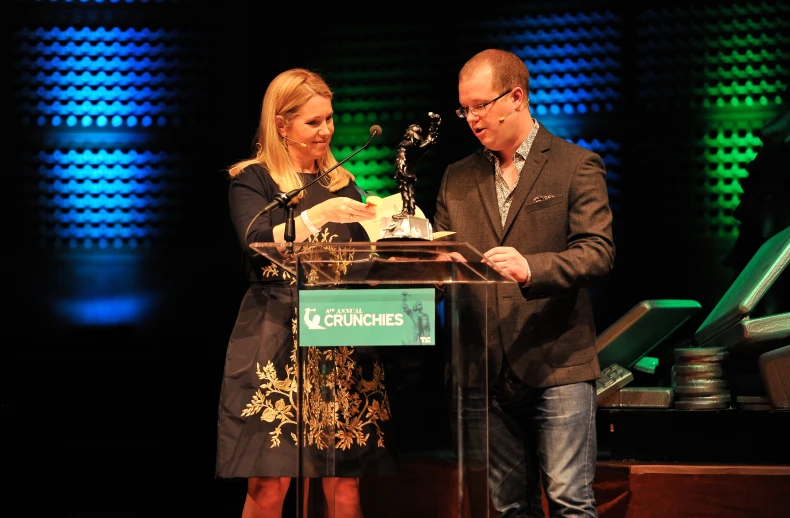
column 519, row 95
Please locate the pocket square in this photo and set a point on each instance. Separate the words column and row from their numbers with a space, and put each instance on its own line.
column 538, row 199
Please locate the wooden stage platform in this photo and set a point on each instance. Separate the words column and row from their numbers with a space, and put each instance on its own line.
column 645, row 490
column 623, row 489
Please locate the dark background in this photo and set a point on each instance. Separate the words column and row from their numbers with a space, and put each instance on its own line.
column 121, row 419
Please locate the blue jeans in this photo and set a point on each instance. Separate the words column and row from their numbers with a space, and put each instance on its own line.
column 542, row 434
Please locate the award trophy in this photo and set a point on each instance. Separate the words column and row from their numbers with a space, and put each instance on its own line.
column 405, row 225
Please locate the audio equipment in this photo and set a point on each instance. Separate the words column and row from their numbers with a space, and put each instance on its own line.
column 295, row 141
column 502, row 118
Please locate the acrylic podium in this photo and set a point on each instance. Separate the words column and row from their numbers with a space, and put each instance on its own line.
column 381, row 300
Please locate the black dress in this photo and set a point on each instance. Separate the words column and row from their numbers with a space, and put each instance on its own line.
column 344, row 432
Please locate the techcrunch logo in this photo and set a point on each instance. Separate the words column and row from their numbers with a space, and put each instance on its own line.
column 346, row 317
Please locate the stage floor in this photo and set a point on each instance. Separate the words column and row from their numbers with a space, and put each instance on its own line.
column 644, row 490
column 623, row 489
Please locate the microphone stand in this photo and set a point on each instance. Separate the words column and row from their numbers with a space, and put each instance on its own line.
column 283, row 199
column 290, row 230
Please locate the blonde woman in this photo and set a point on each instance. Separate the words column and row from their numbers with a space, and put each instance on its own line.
column 259, row 403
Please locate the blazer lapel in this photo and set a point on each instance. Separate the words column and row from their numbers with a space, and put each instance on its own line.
column 529, row 174
column 484, row 177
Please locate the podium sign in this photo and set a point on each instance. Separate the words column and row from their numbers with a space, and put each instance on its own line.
column 368, row 317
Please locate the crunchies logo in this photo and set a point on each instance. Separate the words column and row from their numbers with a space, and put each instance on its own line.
column 370, row 317
column 313, row 322
column 349, row 317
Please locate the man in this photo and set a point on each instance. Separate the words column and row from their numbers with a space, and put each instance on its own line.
column 546, row 223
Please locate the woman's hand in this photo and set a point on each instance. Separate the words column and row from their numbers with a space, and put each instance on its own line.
column 339, row 210
column 451, row 256
column 343, row 210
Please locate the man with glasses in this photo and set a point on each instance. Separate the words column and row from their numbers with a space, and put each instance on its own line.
column 546, row 223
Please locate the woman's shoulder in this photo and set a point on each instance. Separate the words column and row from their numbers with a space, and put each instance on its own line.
column 253, row 174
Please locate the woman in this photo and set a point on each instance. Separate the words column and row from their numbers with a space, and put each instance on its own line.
column 259, row 401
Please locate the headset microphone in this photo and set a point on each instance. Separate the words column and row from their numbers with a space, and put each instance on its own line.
column 502, row 118
column 294, row 141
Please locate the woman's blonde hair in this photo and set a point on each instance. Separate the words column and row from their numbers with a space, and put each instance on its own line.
column 285, row 96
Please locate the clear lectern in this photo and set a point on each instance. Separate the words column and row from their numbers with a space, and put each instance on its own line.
column 382, row 300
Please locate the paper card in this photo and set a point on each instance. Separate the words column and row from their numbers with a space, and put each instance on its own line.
column 390, row 206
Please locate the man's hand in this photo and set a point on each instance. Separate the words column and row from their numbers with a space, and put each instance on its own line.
column 510, row 261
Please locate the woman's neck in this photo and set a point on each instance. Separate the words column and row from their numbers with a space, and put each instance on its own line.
column 311, row 167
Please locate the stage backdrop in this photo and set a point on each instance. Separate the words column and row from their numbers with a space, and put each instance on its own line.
column 123, row 267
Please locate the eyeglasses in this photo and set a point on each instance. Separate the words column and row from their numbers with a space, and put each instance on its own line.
column 477, row 110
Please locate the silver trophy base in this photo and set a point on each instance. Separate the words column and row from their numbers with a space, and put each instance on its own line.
column 409, row 227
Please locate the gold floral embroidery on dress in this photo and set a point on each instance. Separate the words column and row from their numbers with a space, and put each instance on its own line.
column 284, row 409
column 339, row 258
column 341, row 405
column 323, row 237
column 274, row 271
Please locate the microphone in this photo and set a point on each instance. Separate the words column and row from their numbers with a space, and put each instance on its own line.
column 502, row 118
column 282, row 199
column 295, row 141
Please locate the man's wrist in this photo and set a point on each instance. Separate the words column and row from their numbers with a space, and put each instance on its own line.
column 528, row 282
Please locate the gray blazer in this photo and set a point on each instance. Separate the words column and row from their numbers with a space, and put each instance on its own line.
column 561, row 222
